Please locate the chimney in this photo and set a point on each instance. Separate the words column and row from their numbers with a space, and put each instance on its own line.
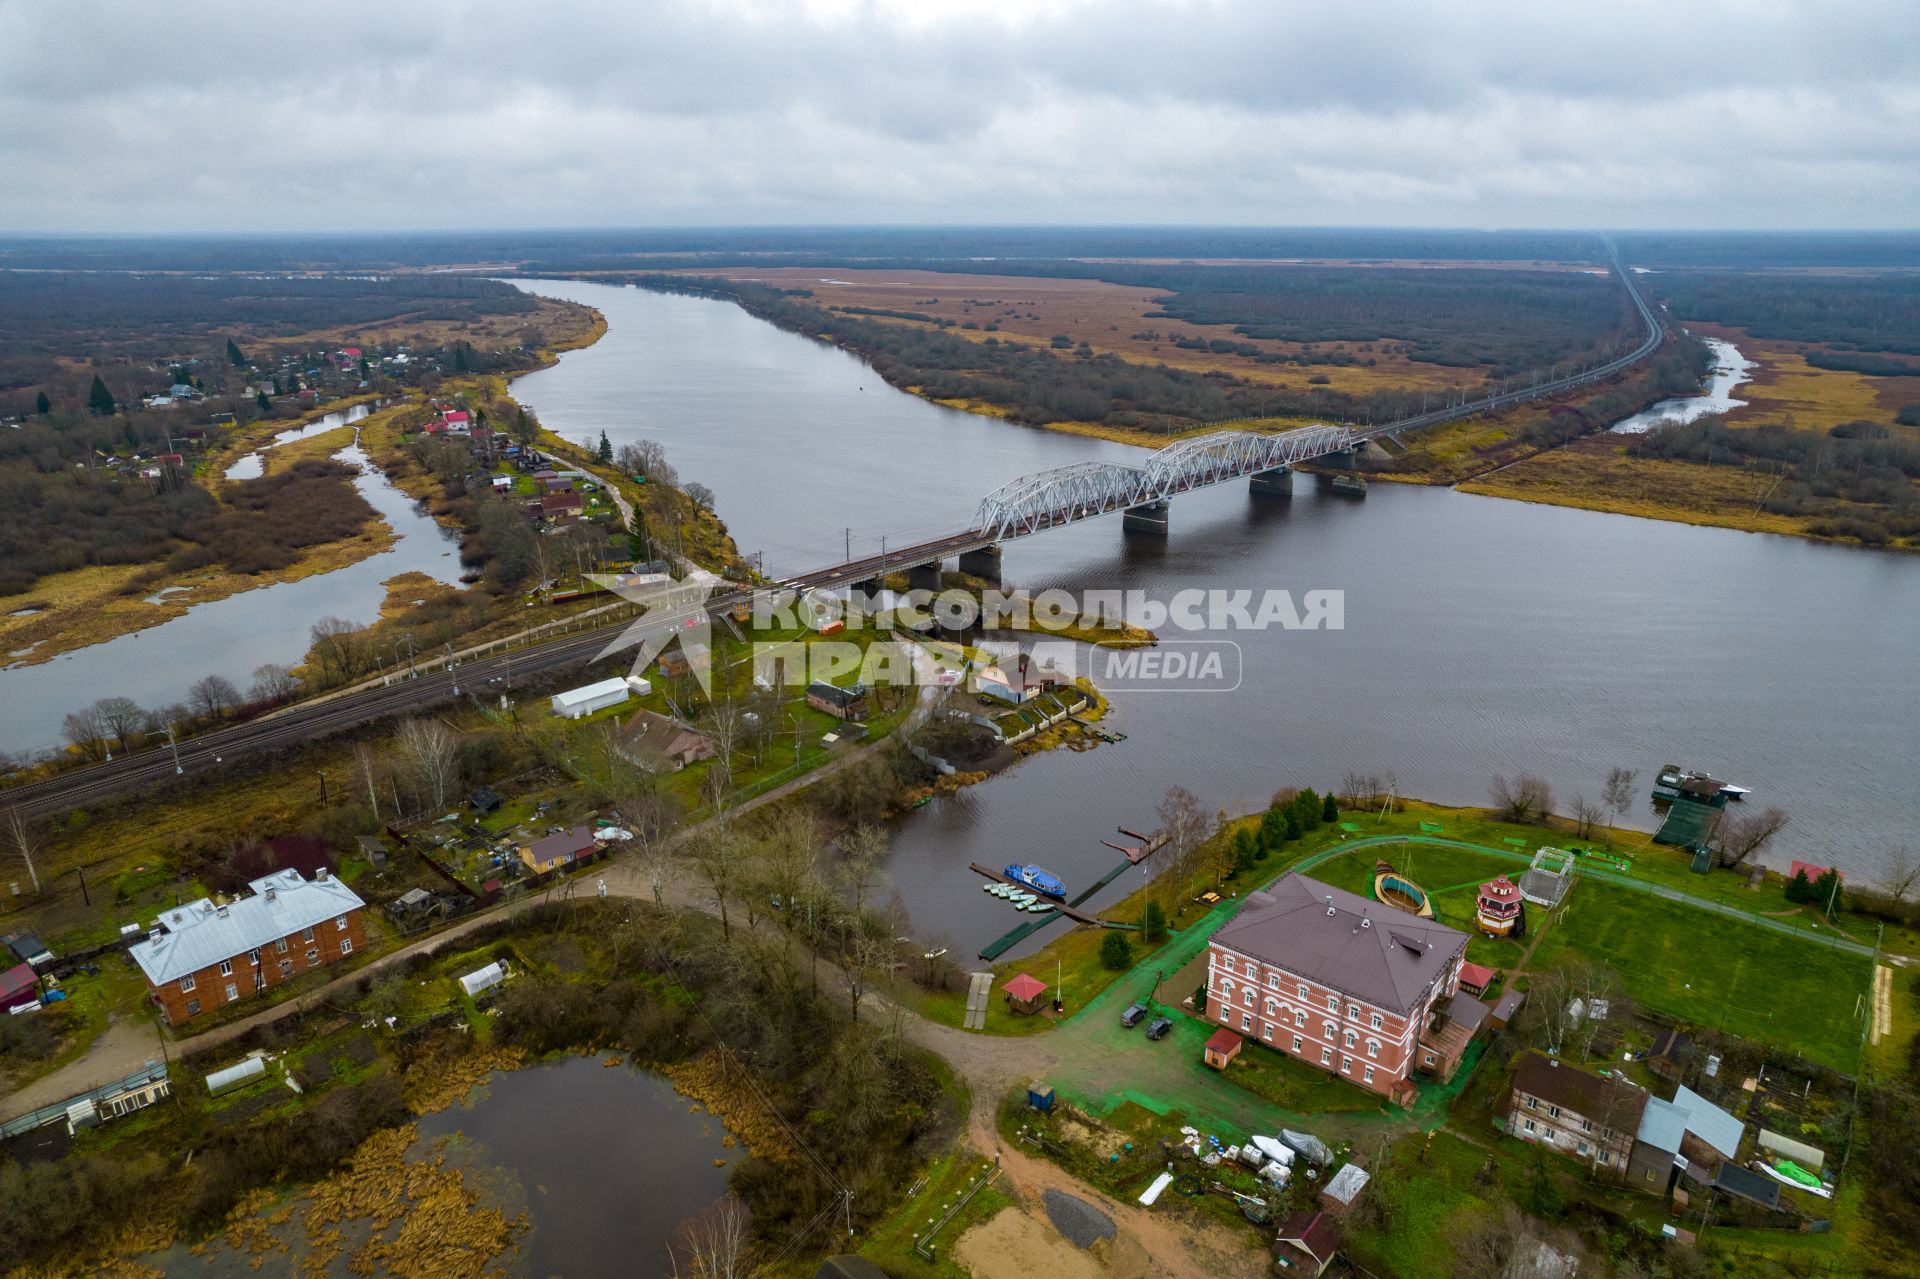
column 221, row 911
column 321, row 874
column 272, row 892
column 153, row 934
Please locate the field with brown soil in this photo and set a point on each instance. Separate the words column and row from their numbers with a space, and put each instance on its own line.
column 1109, row 318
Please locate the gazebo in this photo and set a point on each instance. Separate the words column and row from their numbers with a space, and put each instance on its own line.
column 1025, row 993
column 1222, row 1047
column 1499, row 910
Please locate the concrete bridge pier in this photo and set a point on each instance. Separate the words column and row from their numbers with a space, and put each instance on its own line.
column 868, row 586
column 1275, row 483
column 1150, row 518
column 984, row 563
column 924, row 577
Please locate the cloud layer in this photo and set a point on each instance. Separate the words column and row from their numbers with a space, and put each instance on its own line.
column 217, row 115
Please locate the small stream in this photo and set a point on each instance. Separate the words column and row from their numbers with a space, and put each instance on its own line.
column 234, row 635
column 1730, row 369
column 252, row 466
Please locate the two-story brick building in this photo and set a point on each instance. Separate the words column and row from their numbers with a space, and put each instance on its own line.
column 205, row 955
column 1350, row 985
column 1588, row 1117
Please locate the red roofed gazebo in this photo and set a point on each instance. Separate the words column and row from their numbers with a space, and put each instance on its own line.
column 1222, row 1047
column 1024, row 993
column 1499, row 911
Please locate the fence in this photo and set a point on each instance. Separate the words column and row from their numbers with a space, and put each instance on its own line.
column 153, row 1073
column 923, row 1242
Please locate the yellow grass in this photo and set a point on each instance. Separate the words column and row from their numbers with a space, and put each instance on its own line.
column 1597, row 474
column 1109, row 318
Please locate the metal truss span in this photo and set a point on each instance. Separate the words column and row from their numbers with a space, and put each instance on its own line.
column 1048, row 499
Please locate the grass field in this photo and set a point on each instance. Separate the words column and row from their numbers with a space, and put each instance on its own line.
column 1737, row 977
column 1110, row 318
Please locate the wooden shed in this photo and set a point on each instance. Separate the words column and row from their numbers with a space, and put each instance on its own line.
column 1222, row 1047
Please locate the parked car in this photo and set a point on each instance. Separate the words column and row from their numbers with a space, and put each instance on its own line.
column 1160, row 1028
column 1135, row 1014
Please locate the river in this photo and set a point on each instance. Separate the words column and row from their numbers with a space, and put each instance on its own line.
column 230, row 636
column 1481, row 636
column 1730, row 369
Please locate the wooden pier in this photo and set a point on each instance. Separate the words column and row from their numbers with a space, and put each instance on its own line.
column 1077, row 916
column 1137, row 853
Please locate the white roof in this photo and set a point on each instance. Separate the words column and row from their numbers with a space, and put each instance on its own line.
column 201, row 934
column 1346, row 1185
column 592, row 692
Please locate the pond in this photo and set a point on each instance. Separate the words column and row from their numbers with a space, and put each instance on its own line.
column 608, row 1162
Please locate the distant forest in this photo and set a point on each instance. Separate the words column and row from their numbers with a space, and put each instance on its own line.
column 48, row 316
column 638, row 249
column 1864, row 313
column 1039, row 386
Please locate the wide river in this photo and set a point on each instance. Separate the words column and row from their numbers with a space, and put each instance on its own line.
column 1482, row 636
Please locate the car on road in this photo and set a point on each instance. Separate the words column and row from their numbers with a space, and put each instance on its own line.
column 1160, row 1028
column 1135, row 1014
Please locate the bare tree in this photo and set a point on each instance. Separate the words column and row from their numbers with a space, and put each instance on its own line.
column 339, row 649
column 1738, row 836
column 429, row 748
column 717, row 857
column 717, row 1244
column 863, row 961
column 1563, row 999
column 1900, row 871
column 862, row 850
column 212, row 696
column 1618, row 794
column 725, row 727
column 1527, row 798
column 1186, row 827
column 367, row 765
column 24, row 843
column 85, row 732
column 274, row 683
column 120, row 716
column 1586, row 816
column 1505, row 1243
column 700, row 495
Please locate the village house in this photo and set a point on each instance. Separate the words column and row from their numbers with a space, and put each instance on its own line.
column 19, row 988
column 556, row 852
column 207, row 954
column 660, row 744
column 1575, row 1112
column 1352, row 986
column 1687, row 1135
column 841, row 703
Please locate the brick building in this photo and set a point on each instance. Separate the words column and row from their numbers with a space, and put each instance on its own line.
column 205, row 955
column 1352, row 986
column 1582, row 1115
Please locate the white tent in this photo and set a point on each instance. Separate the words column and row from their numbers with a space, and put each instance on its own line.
column 484, row 978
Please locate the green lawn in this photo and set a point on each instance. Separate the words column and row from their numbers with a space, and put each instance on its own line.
column 889, row 1244
column 1428, row 1190
column 1715, row 971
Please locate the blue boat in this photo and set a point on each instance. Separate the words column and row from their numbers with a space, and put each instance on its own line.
column 1044, row 882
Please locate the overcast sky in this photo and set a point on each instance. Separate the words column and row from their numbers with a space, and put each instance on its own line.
column 126, row 115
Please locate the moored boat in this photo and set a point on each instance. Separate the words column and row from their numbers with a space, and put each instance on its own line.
column 1040, row 881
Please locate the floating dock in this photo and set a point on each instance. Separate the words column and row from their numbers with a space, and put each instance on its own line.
column 1079, row 917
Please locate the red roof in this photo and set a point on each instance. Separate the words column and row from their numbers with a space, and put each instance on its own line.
column 1476, row 974
column 1314, row 1233
column 1025, row 988
column 435, row 428
column 352, row 351
column 1813, row 872
column 1500, row 890
column 1222, row 1041
column 456, row 415
column 18, row 986
column 171, row 459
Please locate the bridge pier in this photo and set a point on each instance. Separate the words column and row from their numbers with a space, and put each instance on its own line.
column 868, row 586
column 1275, row 483
column 983, row 563
column 924, row 577
column 1150, row 518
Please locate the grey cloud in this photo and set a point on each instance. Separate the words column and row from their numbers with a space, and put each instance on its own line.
column 428, row 113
